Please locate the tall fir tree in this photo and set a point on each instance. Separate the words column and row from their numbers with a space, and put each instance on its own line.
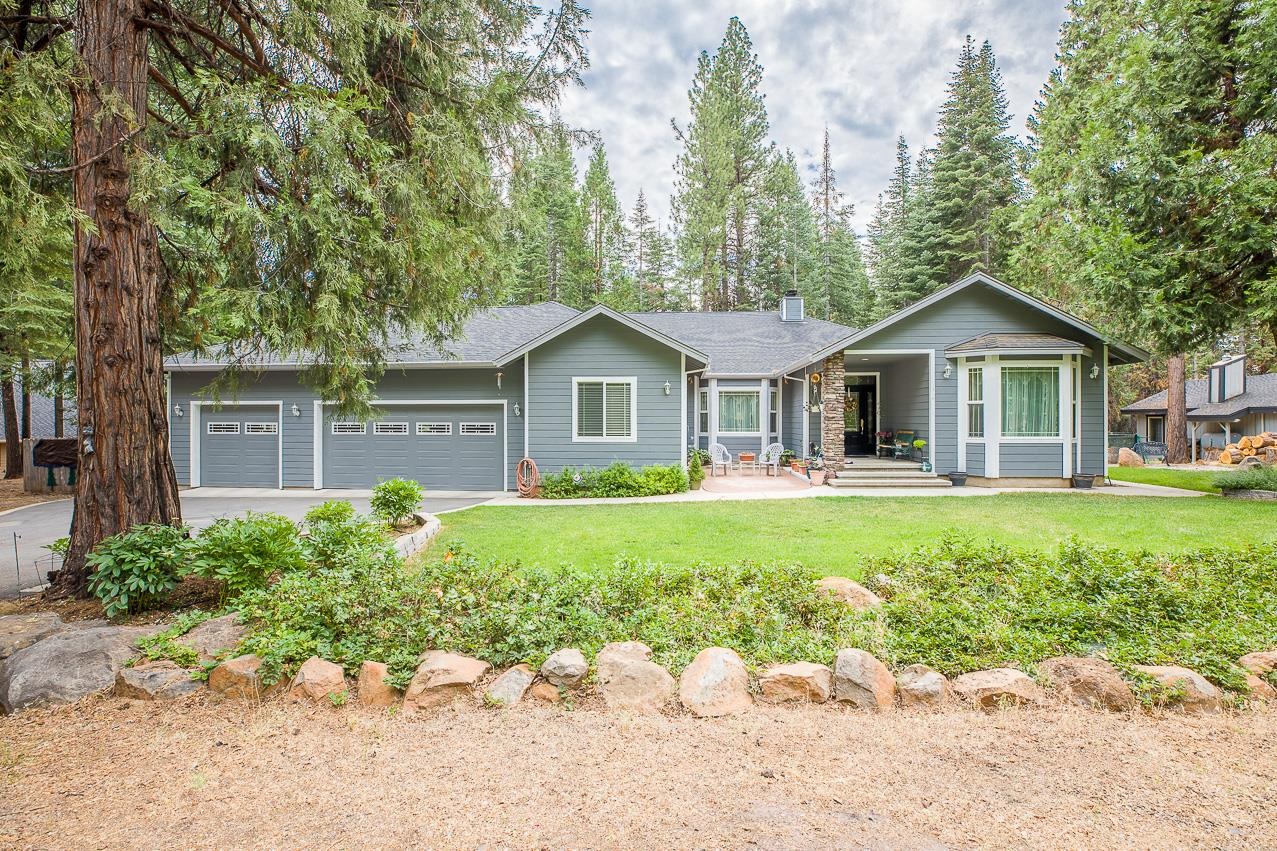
column 785, row 234
column 839, row 286
column 886, row 229
column 605, row 235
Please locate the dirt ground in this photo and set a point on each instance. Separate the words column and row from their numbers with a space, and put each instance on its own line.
column 107, row 773
column 12, row 495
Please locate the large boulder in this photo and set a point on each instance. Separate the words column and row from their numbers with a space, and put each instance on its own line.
column 1129, row 458
column 19, row 631
column 509, row 688
column 863, row 681
column 630, row 681
column 997, row 688
column 1090, row 682
column 317, row 680
column 565, row 668
column 66, row 666
column 162, row 680
column 1260, row 664
column 373, row 689
column 919, row 685
column 241, row 679
column 716, row 683
column 852, row 593
column 442, row 678
column 1185, row 690
column 215, row 637
column 799, row 682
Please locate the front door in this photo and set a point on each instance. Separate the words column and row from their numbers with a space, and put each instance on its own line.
column 859, row 418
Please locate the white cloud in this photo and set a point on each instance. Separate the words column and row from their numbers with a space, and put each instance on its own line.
column 870, row 69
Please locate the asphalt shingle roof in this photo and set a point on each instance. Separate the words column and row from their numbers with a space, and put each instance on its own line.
column 1014, row 341
column 747, row 343
column 1260, row 395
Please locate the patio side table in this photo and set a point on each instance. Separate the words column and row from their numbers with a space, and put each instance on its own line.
column 747, row 459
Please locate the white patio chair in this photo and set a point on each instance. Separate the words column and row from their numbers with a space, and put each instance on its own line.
column 770, row 459
column 719, row 457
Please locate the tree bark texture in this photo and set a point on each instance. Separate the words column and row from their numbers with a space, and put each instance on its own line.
column 125, row 476
column 1176, row 412
column 26, row 398
column 13, row 442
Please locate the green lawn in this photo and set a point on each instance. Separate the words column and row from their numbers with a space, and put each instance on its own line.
column 834, row 534
column 1193, row 480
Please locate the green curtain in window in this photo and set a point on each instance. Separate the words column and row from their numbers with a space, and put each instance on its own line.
column 1030, row 401
column 737, row 411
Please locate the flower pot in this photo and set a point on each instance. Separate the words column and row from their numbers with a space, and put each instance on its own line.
column 696, row 485
column 817, row 477
column 926, row 466
column 1083, row 481
column 957, row 479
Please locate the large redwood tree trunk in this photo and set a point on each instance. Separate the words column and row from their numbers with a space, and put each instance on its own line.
column 13, row 439
column 1176, row 412
column 126, row 476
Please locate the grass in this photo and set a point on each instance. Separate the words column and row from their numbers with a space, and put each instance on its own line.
column 834, row 535
column 1193, row 480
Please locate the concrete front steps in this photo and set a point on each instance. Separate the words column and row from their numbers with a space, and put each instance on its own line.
column 885, row 473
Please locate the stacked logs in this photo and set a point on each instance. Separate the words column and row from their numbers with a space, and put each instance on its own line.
column 1263, row 445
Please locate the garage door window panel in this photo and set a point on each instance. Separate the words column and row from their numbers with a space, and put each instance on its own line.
column 479, row 429
column 349, row 428
column 435, row 429
column 387, row 429
column 223, row 428
column 261, row 428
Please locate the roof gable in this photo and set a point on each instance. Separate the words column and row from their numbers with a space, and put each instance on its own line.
column 607, row 312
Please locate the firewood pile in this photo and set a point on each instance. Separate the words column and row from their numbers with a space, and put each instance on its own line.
column 1261, row 446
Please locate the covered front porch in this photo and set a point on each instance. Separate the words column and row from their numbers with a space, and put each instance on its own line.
column 874, row 405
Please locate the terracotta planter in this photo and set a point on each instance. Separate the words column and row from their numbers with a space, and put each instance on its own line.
column 817, row 476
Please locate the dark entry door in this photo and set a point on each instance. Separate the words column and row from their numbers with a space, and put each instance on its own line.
column 860, row 422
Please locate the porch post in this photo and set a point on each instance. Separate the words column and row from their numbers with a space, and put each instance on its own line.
column 833, row 400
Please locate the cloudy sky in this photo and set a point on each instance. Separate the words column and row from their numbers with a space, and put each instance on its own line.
column 869, row 69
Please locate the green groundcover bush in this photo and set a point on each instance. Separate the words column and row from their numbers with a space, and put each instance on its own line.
column 619, row 479
column 958, row 607
column 1252, row 479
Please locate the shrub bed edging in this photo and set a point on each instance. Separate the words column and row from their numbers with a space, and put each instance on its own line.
column 411, row 544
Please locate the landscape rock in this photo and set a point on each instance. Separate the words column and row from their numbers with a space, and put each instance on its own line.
column 565, row 667
column 1261, row 663
column 509, row 688
column 862, row 681
column 919, row 685
column 997, row 687
column 1191, row 693
column 19, row 631
column 545, row 692
column 1090, row 682
column 240, row 679
column 1129, row 458
column 629, row 681
column 802, row 682
column 317, row 680
column 162, row 680
column 66, row 666
column 441, row 678
column 852, row 593
column 1259, row 688
column 715, row 684
column 374, row 691
column 214, row 637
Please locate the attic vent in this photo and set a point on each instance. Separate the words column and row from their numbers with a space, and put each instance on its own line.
column 1227, row 378
column 791, row 307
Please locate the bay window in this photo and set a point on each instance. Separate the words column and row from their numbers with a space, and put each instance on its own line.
column 738, row 412
column 975, row 402
column 1030, row 401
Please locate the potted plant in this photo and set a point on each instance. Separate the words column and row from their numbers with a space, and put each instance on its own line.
column 1083, row 481
column 957, row 478
column 787, row 458
column 816, row 471
column 918, row 446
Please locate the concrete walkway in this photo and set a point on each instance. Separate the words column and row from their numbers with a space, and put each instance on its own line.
column 24, row 557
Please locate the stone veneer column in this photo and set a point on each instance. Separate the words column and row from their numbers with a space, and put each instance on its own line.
column 833, row 399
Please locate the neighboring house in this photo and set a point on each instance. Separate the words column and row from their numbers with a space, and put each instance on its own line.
column 999, row 384
column 43, row 419
column 1225, row 405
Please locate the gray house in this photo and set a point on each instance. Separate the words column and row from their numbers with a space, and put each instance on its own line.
column 999, row 385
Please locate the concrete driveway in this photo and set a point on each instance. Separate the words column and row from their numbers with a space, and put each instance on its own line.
column 24, row 558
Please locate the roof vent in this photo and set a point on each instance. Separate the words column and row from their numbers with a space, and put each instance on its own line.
column 1227, row 378
column 791, row 307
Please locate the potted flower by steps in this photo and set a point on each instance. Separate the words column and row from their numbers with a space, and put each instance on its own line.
column 957, row 478
column 918, row 446
column 816, row 471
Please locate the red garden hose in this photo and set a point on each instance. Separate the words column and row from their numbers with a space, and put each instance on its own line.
column 527, row 477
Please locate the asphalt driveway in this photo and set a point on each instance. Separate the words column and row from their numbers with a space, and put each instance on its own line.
column 25, row 532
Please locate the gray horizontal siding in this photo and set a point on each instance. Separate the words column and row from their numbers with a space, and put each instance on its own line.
column 975, row 459
column 905, row 397
column 1030, row 459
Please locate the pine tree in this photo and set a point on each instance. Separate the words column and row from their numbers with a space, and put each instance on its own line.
column 886, row 261
column 547, row 234
column 840, row 286
column 605, row 235
column 786, row 237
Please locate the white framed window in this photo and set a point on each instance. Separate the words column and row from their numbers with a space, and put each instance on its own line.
column 1030, row 401
column 477, row 429
column 434, row 428
column 349, row 428
column 261, row 428
column 389, row 428
column 738, row 412
column 702, row 411
column 975, row 402
column 773, row 419
column 223, row 428
column 1156, row 430
column 603, row 409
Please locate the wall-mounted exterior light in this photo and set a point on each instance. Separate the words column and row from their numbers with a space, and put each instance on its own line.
column 667, row 388
column 516, row 409
column 297, row 412
column 1095, row 372
column 177, row 411
column 948, row 371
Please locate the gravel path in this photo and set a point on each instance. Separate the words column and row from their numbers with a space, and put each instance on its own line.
column 111, row 774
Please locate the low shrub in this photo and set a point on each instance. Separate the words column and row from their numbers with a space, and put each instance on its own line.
column 334, row 510
column 334, row 542
column 617, row 480
column 245, row 552
column 163, row 644
column 695, row 473
column 1251, row 479
column 395, row 500
column 131, row 571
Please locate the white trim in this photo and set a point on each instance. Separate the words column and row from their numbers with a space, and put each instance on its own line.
column 713, row 413
column 262, row 428
column 605, row 380
column 765, row 424
column 1012, row 352
column 1065, row 402
column 1105, row 367
column 208, row 427
column 196, row 407
column 317, row 449
column 702, row 409
column 527, row 453
column 931, row 419
column 682, row 443
column 992, row 422
column 585, row 316
column 805, row 408
column 780, row 411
